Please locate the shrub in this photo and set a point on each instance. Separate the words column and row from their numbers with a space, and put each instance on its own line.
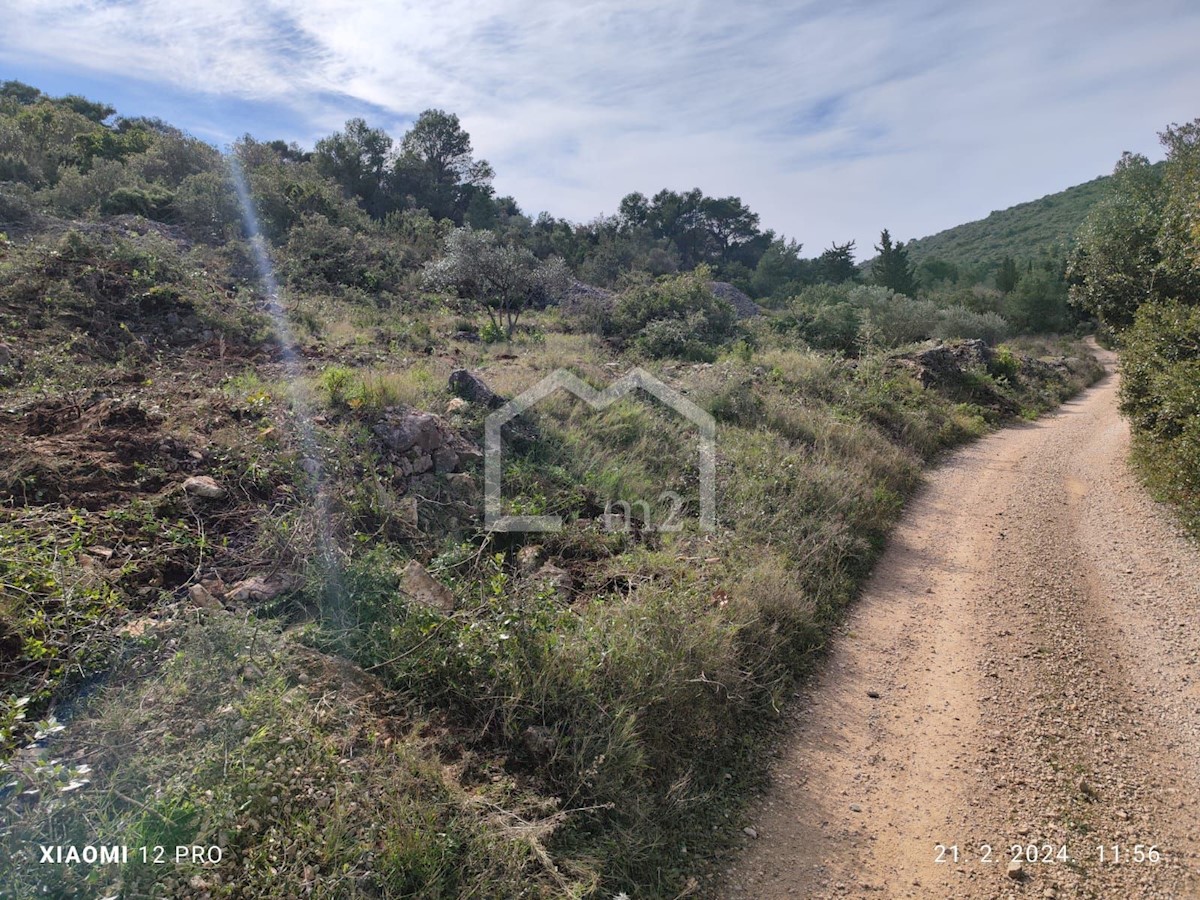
column 673, row 316
column 150, row 201
column 960, row 322
column 1160, row 392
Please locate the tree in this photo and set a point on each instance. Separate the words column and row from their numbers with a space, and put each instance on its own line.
column 1112, row 269
column 358, row 158
column 891, row 268
column 1007, row 275
column 836, row 264
column 504, row 280
column 437, row 170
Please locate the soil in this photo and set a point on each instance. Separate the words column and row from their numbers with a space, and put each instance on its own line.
column 1020, row 675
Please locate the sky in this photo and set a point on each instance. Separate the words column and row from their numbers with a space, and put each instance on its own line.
column 832, row 120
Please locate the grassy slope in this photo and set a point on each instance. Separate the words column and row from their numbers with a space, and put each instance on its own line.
column 338, row 740
column 1024, row 231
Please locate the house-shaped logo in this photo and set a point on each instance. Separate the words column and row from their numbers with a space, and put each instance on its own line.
column 706, row 441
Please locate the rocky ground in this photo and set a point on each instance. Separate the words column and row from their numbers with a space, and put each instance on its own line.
column 1013, row 708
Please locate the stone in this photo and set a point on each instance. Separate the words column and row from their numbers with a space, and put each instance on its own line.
column 406, row 511
column 200, row 598
column 529, row 558
column 559, row 579
column 1015, row 870
column 471, row 387
column 8, row 356
column 413, row 430
column 259, row 589
column 421, row 464
column 750, row 831
column 456, row 405
column 424, row 589
column 461, row 484
column 539, row 740
column 445, row 460
column 203, row 486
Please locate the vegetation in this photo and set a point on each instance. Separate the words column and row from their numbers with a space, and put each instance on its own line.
column 248, row 666
column 1137, row 269
column 1024, row 232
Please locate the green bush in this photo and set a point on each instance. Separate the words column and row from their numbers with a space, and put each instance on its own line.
column 676, row 315
column 150, row 201
column 1160, row 392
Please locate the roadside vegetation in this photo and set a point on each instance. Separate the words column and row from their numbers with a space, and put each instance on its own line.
column 246, row 600
column 1137, row 269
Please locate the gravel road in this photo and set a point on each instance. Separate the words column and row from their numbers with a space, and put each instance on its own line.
column 1021, row 675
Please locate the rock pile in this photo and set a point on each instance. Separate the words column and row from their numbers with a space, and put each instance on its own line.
column 944, row 363
column 420, row 442
column 742, row 304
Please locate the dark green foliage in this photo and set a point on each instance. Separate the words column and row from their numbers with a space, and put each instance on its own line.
column 836, row 264
column 1024, row 231
column 319, row 255
column 358, row 159
column 1137, row 269
column 1113, row 267
column 891, row 268
column 673, row 316
column 1160, row 392
column 436, row 168
column 1007, row 275
column 151, row 202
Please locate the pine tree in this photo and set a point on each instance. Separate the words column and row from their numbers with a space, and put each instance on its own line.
column 891, row 267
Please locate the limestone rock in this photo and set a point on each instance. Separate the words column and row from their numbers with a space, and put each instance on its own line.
column 471, row 387
column 259, row 589
column 200, row 598
column 203, row 486
column 444, row 460
column 424, row 589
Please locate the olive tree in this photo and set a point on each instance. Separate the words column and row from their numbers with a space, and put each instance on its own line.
column 502, row 279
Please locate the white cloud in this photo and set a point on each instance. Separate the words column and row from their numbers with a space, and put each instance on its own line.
column 831, row 120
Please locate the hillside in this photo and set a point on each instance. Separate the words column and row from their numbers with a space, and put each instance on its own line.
column 1023, row 231
column 249, row 600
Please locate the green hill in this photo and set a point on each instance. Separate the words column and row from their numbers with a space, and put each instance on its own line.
column 1023, row 231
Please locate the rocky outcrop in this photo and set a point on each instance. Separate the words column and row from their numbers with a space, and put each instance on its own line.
column 944, row 363
column 471, row 387
column 742, row 304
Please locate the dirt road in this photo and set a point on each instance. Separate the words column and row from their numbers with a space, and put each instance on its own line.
column 1023, row 669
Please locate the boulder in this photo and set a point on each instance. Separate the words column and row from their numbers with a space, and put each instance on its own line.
column 422, row 431
column 444, row 460
column 424, row 589
column 203, row 486
column 471, row 387
column 461, row 484
column 259, row 589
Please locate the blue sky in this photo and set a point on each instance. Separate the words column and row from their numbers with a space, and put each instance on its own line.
column 832, row 120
